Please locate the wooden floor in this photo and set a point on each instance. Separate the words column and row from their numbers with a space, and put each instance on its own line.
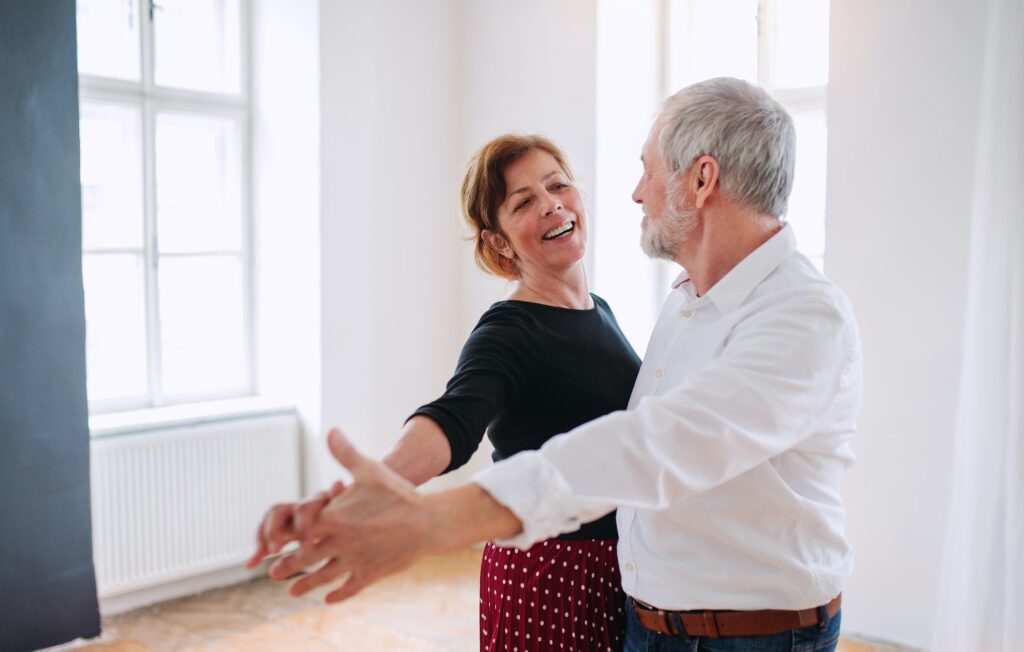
column 432, row 607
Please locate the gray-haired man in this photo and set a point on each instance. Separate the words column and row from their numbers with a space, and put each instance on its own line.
column 725, row 468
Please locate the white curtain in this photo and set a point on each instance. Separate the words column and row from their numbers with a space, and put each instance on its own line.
column 981, row 603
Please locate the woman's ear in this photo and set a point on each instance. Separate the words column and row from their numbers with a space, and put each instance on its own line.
column 498, row 244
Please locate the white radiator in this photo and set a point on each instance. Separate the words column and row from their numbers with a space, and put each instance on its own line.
column 175, row 503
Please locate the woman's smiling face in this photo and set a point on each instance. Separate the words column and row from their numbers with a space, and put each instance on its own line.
column 542, row 216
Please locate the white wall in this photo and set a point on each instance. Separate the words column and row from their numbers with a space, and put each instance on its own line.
column 409, row 92
column 526, row 67
column 286, row 203
column 629, row 95
column 389, row 123
column 902, row 117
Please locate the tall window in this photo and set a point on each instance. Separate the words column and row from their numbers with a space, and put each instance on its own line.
column 165, row 217
column 781, row 45
column 648, row 49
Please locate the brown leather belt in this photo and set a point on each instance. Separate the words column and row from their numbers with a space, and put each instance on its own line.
column 716, row 624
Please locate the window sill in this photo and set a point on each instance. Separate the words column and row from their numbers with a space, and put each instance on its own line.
column 191, row 414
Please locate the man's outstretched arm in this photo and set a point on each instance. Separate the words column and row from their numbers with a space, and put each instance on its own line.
column 380, row 525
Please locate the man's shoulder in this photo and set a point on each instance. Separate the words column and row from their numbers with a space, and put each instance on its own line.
column 797, row 279
column 798, row 291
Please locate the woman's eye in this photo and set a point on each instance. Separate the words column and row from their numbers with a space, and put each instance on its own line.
column 560, row 186
column 522, row 204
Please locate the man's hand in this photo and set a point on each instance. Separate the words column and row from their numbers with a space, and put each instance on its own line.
column 377, row 526
column 288, row 522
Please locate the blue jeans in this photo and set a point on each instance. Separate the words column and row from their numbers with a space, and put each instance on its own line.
column 807, row 639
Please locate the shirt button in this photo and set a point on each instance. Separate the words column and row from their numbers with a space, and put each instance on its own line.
column 629, row 566
column 687, row 313
column 658, row 373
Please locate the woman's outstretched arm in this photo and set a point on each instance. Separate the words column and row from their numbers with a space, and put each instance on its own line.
column 422, row 453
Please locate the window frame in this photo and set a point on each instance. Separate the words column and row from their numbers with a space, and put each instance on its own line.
column 808, row 98
column 152, row 99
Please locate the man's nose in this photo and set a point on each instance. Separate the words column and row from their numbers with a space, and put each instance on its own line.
column 636, row 197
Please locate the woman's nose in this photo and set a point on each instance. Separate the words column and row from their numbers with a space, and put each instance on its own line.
column 552, row 205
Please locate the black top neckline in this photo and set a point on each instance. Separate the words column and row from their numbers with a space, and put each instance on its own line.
column 520, row 302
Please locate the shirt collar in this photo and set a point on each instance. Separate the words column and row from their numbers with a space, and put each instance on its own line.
column 734, row 288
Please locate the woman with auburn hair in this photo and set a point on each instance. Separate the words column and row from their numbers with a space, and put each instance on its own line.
column 546, row 359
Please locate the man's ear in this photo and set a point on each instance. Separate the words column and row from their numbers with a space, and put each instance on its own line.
column 704, row 179
column 498, row 244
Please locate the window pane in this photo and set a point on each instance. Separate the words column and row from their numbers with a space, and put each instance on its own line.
column 712, row 38
column 202, row 324
column 197, row 45
column 198, row 183
column 807, row 203
column 111, row 143
column 108, row 38
column 115, row 323
column 801, row 43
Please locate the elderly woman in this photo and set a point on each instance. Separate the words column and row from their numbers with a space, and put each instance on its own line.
column 546, row 359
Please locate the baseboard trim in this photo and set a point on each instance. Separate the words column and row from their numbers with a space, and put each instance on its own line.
column 120, row 603
column 857, row 642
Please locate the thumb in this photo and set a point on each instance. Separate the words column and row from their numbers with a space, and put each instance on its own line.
column 343, row 451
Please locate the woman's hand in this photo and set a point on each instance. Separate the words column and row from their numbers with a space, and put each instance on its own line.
column 288, row 522
column 373, row 528
column 379, row 525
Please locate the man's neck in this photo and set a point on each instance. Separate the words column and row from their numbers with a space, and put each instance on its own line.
column 721, row 240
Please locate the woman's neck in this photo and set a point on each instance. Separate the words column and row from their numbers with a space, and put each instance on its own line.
column 566, row 290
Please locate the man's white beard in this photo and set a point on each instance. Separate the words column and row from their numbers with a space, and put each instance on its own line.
column 663, row 238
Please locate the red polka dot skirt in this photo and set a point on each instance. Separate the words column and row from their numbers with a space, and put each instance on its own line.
column 558, row 595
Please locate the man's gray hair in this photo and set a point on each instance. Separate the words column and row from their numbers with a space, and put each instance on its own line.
column 744, row 129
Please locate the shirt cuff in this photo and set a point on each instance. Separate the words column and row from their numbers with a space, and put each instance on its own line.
column 530, row 486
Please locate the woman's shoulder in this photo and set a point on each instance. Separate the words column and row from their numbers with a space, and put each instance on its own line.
column 503, row 334
column 505, row 311
column 600, row 302
column 602, row 307
column 503, row 319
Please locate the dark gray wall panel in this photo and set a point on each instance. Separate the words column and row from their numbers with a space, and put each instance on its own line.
column 47, row 584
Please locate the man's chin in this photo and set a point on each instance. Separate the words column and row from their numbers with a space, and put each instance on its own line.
column 654, row 247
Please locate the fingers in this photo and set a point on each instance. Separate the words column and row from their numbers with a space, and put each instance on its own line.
column 329, row 572
column 279, row 526
column 261, row 552
column 273, row 532
column 336, row 489
column 296, row 561
column 353, row 585
column 343, row 451
column 306, row 511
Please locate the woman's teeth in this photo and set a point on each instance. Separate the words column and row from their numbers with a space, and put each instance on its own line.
column 559, row 230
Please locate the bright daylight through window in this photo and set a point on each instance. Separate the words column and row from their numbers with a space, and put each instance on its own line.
column 649, row 49
column 783, row 46
column 165, row 217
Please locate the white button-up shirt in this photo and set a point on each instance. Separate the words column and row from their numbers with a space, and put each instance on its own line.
column 726, row 466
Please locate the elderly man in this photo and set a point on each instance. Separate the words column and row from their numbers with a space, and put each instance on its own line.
column 725, row 468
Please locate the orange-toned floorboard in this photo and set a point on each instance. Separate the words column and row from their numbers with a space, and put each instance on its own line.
column 432, row 607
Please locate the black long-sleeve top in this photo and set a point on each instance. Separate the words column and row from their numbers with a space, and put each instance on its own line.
column 529, row 372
